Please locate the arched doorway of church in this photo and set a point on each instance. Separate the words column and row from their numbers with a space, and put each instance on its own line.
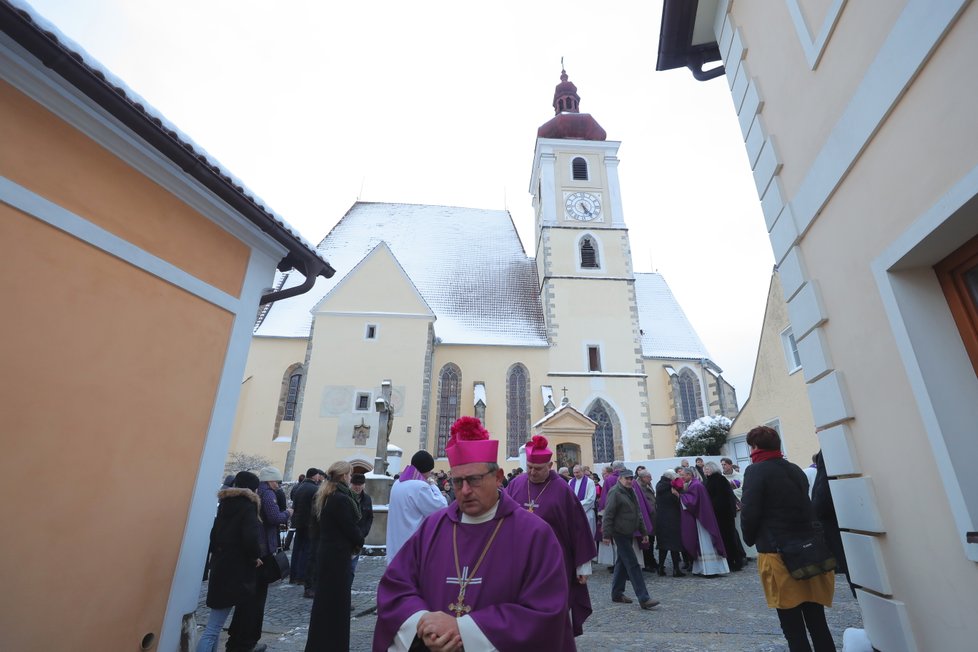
column 568, row 455
column 361, row 466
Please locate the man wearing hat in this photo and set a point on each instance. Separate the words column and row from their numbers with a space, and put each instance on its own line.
column 545, row 493
column 621, row 519
column 304, row 550
column 357, row 481
column 482, row 574
column 412, row 498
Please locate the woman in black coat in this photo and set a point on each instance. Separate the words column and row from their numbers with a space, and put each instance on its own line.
column 725, row 507
column 824, row 510
column 339, row 539
column 235, row 557
column 667, row 528
column 776, row 510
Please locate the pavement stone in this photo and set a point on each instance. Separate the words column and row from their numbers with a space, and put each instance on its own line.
column 696, row 614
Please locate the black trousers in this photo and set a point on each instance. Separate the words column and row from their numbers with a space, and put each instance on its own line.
column 808, row 616
column 246, row 623
column 648, row 556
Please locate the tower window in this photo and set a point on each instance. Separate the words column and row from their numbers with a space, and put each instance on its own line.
column 589, row 255
column 593, row 358
column 579, row 169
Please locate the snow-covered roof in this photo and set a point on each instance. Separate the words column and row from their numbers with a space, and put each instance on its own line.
column 666, row 333
column 467, row 263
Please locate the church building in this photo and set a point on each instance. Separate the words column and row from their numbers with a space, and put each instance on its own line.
column 445, row 303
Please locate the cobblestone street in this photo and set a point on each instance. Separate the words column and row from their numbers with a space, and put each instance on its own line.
column 697, row 614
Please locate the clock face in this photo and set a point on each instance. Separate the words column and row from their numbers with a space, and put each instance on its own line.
column 584, row 206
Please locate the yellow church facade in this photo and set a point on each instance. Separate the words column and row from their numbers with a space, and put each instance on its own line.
column 445, row 303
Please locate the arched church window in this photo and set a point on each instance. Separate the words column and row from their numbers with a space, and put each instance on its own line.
column 517, row 409
column 579, row 169
column 603, row 443
column 292, row 397
column 689, row 390
column 449, row 402
column 589, row 253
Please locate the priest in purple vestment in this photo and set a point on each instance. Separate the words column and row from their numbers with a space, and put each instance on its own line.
column 482, row 573
column 699, row 530
column 543, row 492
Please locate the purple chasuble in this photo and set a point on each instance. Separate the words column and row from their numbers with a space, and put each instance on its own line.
column 560, row 508
column 699, row 508
column 517, row 596
column 644, row 510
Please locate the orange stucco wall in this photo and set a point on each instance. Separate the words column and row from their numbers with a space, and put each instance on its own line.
column 108, row 383
column 46, row 155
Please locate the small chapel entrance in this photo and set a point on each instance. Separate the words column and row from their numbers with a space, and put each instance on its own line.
column 568, row 455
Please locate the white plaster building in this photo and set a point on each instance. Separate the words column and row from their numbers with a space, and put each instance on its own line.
column 858, row 120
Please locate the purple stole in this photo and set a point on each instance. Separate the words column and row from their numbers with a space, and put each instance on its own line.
column 581, row 488
column 643, row 509
column 410, row 473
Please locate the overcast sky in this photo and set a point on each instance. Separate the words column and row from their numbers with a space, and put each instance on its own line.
column 314, row 104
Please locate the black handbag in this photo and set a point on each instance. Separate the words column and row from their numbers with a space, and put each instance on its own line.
column 807, row 556
column 274, row 566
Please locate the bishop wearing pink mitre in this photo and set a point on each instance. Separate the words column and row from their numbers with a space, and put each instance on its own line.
column 541, row 491
column 482, row 573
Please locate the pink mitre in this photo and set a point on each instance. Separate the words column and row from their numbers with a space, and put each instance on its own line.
column 537, row 451
column 469, row 443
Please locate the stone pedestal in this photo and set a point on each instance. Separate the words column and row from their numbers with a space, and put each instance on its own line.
column 378, row 487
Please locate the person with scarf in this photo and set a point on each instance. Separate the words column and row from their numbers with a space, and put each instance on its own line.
column 340, row 539
column 776, row 510
column 412, row 498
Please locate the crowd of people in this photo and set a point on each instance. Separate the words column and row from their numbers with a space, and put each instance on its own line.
column 482, row 560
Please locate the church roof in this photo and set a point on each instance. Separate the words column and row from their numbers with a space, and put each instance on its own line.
column 666, row 332
column 467, row 263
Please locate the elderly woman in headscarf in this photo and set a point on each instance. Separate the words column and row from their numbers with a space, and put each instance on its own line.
column 725, row 508
column 667, row 525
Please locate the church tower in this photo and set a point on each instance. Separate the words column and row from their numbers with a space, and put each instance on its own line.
column 587, row 287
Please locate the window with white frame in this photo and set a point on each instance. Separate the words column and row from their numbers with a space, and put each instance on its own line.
column 371, row 332
column 791, row 357
column 363, row 402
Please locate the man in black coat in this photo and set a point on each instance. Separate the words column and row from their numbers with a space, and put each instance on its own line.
column 357, row 481
column 304, row 547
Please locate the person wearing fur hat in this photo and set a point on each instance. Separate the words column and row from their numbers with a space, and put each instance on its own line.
column 545, row 493
column 246, row 624
column 412, row 498
column 235, row 558
column 482, row 574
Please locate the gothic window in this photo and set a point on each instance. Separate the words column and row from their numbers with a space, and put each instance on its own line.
column 292, row 397
column 689, row 391
column 517, row 409
column 579, row 169
column 589, row 253
column 449, row 402
column 603, row 443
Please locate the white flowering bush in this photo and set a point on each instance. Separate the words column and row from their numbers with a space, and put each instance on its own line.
column 705, row 436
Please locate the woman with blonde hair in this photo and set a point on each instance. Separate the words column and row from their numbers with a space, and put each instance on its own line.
column 339, row 540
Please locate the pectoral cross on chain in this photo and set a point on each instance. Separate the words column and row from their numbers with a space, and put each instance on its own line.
column 531, row 505
column 459, row 607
